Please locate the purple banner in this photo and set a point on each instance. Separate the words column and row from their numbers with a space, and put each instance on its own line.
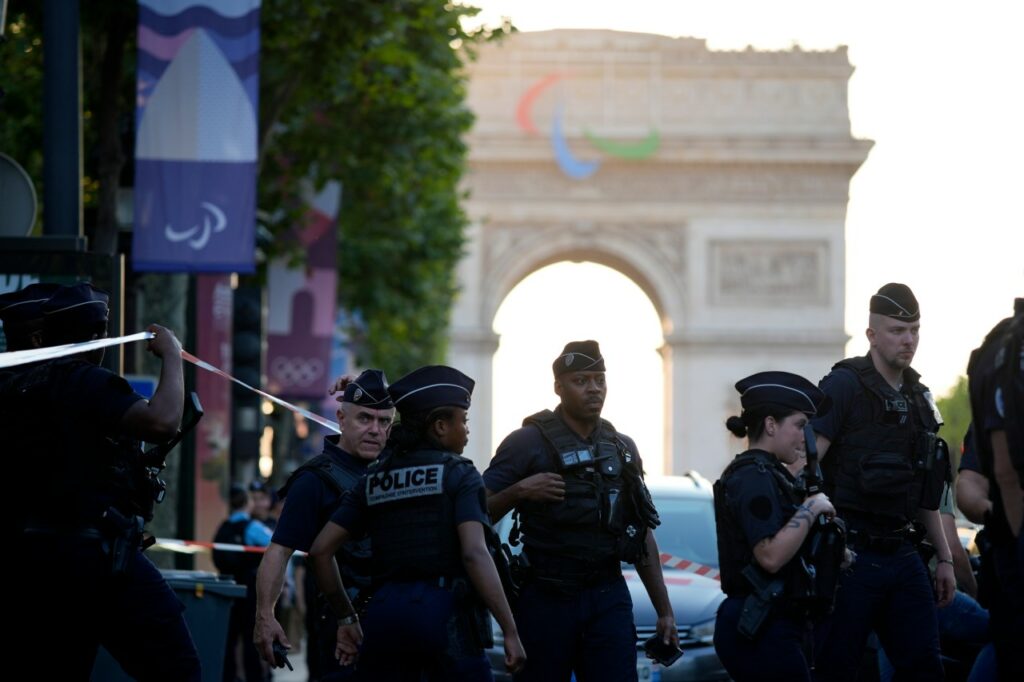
column 302, row 307
column 196, row 130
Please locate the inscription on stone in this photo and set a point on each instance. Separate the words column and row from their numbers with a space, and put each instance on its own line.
column 754, row 272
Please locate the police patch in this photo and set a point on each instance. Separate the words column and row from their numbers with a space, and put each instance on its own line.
column 569, row 358
column 357, row 395
column 401, row 484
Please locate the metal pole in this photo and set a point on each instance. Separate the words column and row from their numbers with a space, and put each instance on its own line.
column 62, row 119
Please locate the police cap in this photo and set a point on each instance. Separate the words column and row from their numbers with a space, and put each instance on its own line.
column 430, row 387
column 578, row 356
column 369, row 389
column 785, row 389
column 75, row 306
column 25, row 305
column 897, row 301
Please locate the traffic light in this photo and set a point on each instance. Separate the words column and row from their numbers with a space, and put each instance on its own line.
column 247, row 361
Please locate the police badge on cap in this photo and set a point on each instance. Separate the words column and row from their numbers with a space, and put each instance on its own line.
column 896, row 301
column 369, row 389
column 578, row 356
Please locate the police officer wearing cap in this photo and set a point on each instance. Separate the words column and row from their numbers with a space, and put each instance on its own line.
column 884, row 469
column 423, row 507
column 582, row 507
column 82, row 507
column 996, row 386
column 763, row 520
column 312, row 493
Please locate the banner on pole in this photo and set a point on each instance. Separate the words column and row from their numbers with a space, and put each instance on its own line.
column 196, row 135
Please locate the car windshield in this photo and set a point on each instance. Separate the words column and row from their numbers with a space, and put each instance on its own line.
column 687, row 529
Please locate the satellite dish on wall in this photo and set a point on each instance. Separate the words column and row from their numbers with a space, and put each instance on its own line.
column 17, row 199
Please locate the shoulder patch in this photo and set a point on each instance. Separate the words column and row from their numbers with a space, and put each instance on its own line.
column 400, row 484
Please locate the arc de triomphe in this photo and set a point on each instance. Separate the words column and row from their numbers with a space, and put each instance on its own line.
column 717, row 181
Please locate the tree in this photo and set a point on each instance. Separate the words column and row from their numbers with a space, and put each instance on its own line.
column 955, row 407
column 372, row 94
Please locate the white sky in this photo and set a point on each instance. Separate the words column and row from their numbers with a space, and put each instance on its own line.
column 936, row 205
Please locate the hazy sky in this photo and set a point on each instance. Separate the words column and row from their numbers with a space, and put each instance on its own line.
column 937, row 87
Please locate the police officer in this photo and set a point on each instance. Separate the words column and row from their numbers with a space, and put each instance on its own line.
column 762, row 521
column 884, row 470
column 79, row 550
column 422, row 505
column 996, row 385
column 576, row 484
column 312, row 493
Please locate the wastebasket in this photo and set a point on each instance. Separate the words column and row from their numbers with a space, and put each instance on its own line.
column 207, row 598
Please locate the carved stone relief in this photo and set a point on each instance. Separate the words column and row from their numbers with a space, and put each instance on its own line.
column 755, row 272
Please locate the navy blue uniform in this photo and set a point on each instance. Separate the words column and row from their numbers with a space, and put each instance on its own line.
column 576, row 614
column 888, row 589
column 758, row 508
column 422, row 622
column 65, row 569
column 311, row 500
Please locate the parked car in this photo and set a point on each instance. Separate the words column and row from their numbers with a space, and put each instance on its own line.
column 687, row 532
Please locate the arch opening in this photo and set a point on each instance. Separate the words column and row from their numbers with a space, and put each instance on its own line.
column 568, row 301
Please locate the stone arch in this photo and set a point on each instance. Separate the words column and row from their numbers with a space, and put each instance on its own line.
column 715, row 180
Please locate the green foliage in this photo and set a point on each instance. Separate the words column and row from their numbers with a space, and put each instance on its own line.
column 956, row 413
column 372, row 94
column 21, row 79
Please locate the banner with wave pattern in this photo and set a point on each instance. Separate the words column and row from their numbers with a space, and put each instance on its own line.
column 196, row 135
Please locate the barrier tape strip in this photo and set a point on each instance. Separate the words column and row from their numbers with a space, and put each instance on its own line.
column 193, row 546
column 327, row 423
column 23, row 357
column 669, row 561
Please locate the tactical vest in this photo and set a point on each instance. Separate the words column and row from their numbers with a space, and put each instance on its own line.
column 589, row 524
column 734, row 552
column 411, row 516
column 77, row 475
column 881, row 467
column 354, row 556
column 997, row 366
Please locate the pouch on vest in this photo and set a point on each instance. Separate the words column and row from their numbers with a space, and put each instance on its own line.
column 938, row 474
column 884, row 474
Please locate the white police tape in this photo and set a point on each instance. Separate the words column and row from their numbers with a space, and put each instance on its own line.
column 24, row 357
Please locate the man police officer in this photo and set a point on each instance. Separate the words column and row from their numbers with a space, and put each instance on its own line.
column 312, row 493
column 576, row 484
column 884, row 469
column 82, row 503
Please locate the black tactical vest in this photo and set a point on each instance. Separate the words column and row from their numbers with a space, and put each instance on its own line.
column 64, row 480
column 583, row 526
column 354, row 556
column 411, row 516
column 880, row 466
column 734, row 552
column 996, row 373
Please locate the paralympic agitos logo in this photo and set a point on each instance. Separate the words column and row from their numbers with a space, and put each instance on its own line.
column 578, row 168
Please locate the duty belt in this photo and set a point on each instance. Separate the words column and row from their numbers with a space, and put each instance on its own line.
column 565, row 571
column 883, row 544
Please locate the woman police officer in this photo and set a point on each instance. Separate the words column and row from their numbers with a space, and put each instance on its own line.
column 762, row 522
column 424, row 509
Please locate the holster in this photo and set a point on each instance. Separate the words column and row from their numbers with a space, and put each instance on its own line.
column 758, row 603
column 125, row 536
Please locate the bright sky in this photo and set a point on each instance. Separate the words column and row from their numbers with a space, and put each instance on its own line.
column 937, row 203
